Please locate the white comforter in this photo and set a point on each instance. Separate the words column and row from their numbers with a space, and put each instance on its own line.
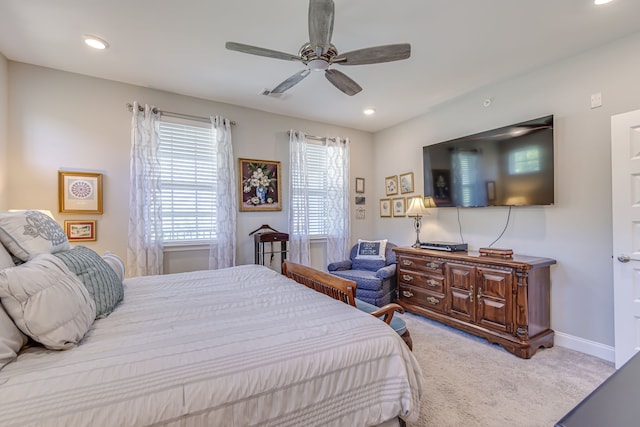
column 235, row 347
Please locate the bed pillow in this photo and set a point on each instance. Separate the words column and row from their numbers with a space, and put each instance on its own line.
column 11, row 339
column 371, row 249
column 102, row 282
column 26, row 233
column 5, row 258
column 115, row 262
column 47, row 301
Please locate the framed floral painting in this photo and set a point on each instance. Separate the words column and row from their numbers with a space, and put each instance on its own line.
column 259, row 185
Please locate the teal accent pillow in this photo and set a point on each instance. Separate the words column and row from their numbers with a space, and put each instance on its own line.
column 103, row 284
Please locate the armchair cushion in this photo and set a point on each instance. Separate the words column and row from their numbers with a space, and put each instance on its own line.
column 340, row 265
column 371, row 249
column 386, row 272
column 397, row 324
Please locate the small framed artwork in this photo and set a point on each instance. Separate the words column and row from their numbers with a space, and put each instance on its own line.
column 391, row 185
column 80, row 231
column 399, row 206
column 441, row 187
column 259, row 185
column 361, row 200
column 406, row 183
column 385, row 208
column 491, row 190
column 79, row 192
column 359, row 185
column 360, row 212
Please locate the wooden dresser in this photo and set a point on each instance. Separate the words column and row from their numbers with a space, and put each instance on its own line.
column 506, row 301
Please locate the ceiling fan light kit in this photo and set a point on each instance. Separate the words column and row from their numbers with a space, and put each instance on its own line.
column 319, row 54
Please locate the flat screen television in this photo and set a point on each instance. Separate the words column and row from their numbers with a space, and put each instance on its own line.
column 508, row 166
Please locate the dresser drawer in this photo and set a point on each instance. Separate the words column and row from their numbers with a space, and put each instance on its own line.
column 428, row 281
column 421, row 297
column 422, row 264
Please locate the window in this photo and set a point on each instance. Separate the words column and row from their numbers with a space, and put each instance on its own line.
column 526, row 160
column 188, row 171
column 317, row 188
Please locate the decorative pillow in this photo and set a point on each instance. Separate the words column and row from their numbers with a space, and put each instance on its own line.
column 371, row 249
column 26, row 233
column 103, row 284
column 115, row 262
column 47, row 301
column 5, row 258
column 11, row 339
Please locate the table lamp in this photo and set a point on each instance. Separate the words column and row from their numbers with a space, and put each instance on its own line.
column 417, row 208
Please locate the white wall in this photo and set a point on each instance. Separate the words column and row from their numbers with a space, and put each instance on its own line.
column 576, row 231
column 65, row 121
column 4, row 131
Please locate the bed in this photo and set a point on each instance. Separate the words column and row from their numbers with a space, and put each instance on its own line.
column 241, row 346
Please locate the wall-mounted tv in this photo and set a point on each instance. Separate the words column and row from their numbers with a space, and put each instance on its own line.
column 508, row 166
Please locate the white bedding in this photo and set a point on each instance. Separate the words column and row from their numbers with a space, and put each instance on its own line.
column 234, row 347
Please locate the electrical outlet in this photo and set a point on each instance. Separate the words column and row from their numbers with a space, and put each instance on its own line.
column 596, row 100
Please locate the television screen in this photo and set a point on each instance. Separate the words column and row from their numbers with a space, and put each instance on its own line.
column 508, row 166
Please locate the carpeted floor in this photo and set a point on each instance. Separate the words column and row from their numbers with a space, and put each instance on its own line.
column 469, row 382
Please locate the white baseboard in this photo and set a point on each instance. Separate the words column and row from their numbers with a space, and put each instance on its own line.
column 592, row 348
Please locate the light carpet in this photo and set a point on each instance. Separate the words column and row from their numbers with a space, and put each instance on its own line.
column 469, row 382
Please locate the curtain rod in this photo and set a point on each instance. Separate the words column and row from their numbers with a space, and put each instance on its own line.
column 317, row 138
column 176, row 115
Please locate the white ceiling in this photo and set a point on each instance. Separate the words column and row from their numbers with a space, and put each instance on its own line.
column 178, row 46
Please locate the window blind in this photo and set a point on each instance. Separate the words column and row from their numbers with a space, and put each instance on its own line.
column 316, row 188
column 188, row 173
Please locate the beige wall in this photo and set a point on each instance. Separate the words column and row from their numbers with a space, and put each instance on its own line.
column 576, row 231
column 66, row 121
column 4, row 131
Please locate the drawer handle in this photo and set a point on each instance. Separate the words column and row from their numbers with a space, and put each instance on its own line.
column 407, row 294
column 432, row 266
column 407, row 277
column 471, row 294
column 433, row 283
column 407, row 262
column 433, row 301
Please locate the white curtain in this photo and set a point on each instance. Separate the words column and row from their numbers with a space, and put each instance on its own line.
column 222, row 252
column 144, row 248
column 338, row 218
column 299, row 243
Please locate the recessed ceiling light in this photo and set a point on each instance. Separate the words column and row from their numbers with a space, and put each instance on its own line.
column 95, row 42
column 369, row 111
column 599, row 2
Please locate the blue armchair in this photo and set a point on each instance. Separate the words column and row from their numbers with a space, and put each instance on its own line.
column 376, row 278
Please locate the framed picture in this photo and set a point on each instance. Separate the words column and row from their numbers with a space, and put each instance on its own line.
column 399, row 206
column 441, row 186
column 359, row 185
column 79, row 192
column 361, row 200
column 385, row 208
column 80, row 231
column 406, row 183
column 491, row 190
column 259, row 185
column 391, row 185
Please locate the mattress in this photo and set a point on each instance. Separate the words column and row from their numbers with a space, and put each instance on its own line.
column 241, row 346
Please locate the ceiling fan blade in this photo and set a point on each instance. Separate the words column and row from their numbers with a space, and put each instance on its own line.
column 260, row 51
column 291, row 81
column 342, row 82
column 320, row 25
column 375, row 55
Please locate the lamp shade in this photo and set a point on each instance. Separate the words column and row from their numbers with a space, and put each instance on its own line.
column 429, row 202
column 416, row 207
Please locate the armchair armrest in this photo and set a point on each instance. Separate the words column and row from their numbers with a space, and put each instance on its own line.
column 340, row 265
column 386, row 272
column 387, row 311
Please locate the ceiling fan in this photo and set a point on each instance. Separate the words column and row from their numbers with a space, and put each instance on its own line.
column 319, row 53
